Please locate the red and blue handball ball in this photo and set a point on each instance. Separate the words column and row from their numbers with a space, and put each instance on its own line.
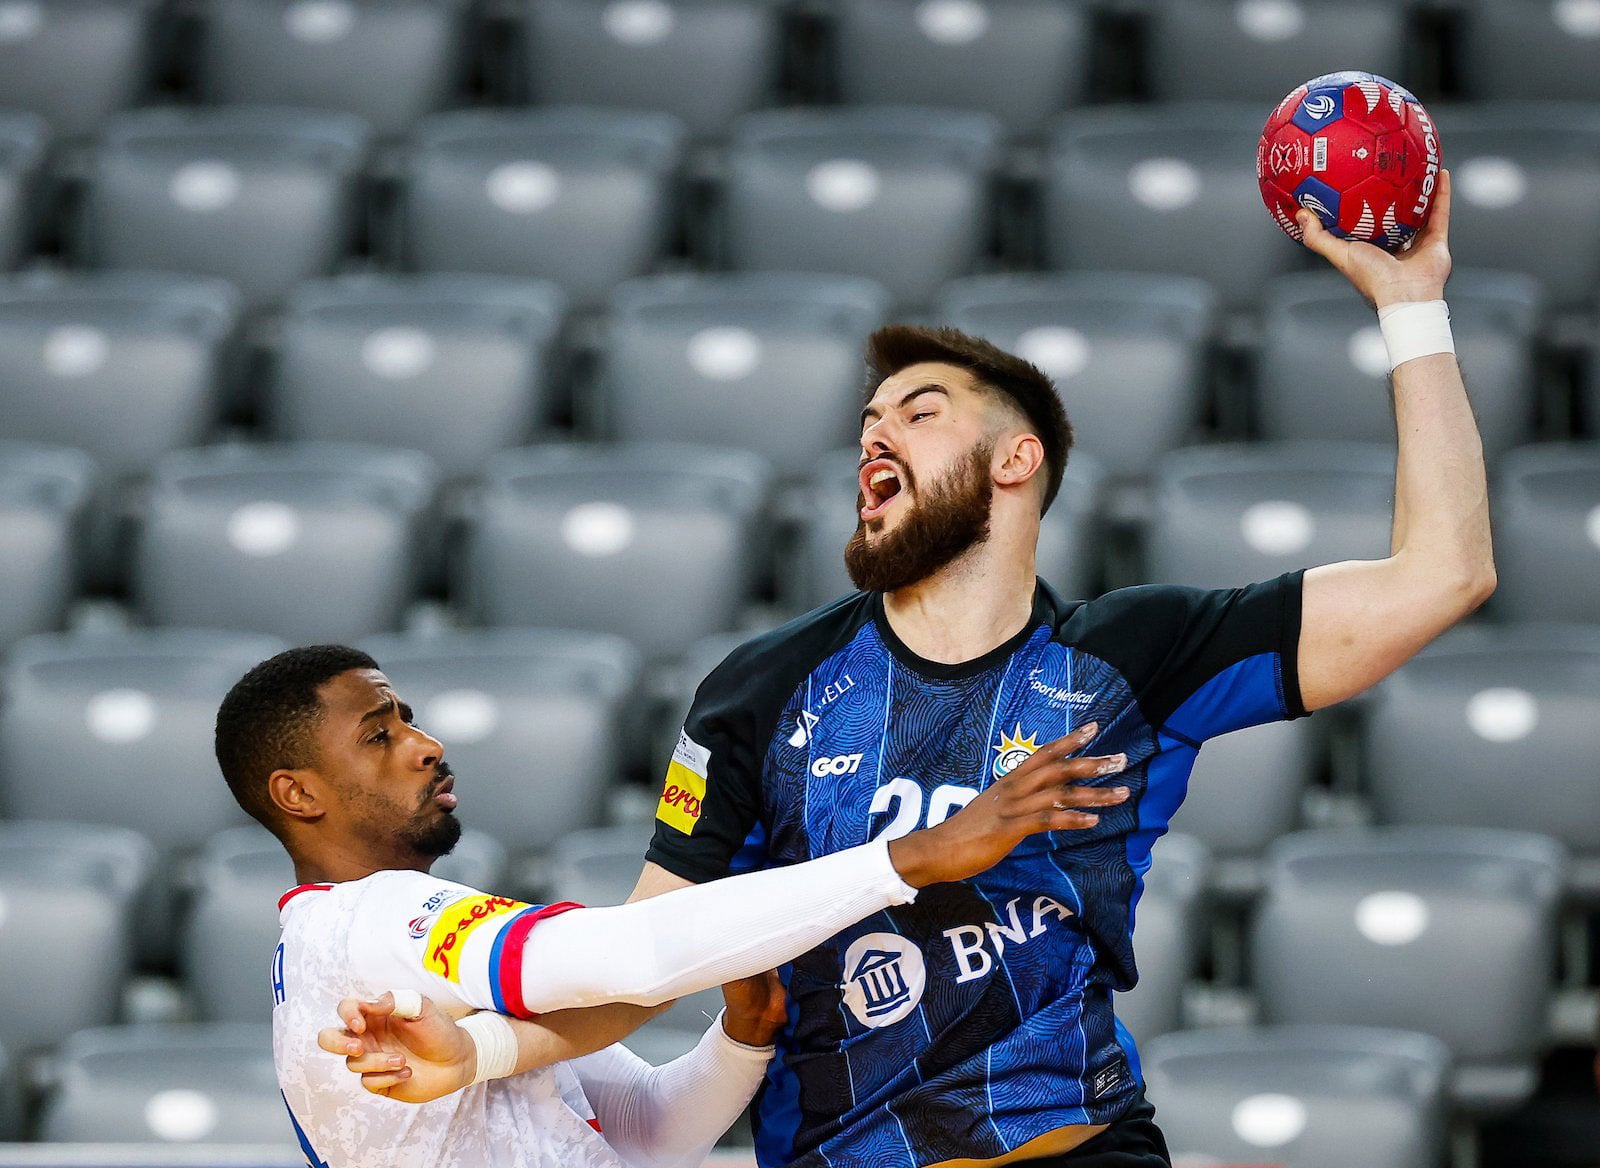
column 1357, row 151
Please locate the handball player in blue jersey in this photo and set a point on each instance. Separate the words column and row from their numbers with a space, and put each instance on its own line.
column 975, row 1026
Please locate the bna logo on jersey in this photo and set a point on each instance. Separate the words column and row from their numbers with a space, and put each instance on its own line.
column 1013, row 751
column 884, row 976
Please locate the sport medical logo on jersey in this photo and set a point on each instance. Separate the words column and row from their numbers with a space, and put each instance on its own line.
column 686, row 785
column 449, row 934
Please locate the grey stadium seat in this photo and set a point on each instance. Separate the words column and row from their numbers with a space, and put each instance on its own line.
column 534, row 722
column 177, row 1083
column 900, row 195
column 454, row 366
column 263, row 198
column 705, row 61
column 310, row 541
column 583, row 197
column 231, row 926
column 1449, row 931
column 1523, row 177
column 10, row 1098
column 1153, row 190
column 1547, row 538
column 1128, row 352
column 389, row 63
column 956, row 52
column 1168, row 930
column 75, row 61
column 676, row 690
column 43, row 494
column 23, row 143
column 769, row 362
column 67, row 897
column 659, row 543
column 1233, row 514
column 1069, row 550
column 1259, row 50
column 1302, row 1095
column 1529, row 49
column 1324, row 369
column 124, row 366
column 1445, row 730
column 1246, row 791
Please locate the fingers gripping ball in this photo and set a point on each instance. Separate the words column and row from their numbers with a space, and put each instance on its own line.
column 1357, row 151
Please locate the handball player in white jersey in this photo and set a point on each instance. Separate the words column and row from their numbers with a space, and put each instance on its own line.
column 317, row 746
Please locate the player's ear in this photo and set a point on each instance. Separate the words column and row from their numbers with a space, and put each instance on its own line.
column 295, row 793
column 1018, row 456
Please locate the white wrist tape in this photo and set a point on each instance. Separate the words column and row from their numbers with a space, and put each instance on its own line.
column 1416, row 329
column 496, row 1041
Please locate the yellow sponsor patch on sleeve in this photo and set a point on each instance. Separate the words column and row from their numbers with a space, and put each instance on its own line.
column 448, row 936
column 685, row 788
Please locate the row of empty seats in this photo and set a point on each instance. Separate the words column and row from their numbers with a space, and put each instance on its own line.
column 709, row 61
column 666, row 544
column 128, row 367
column 906, row 196
column 1448, row 932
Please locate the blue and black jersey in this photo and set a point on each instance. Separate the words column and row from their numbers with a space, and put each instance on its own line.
column 978, row 1017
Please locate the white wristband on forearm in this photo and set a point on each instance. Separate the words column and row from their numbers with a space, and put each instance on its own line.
column 496, row 1041
column 1419, row 328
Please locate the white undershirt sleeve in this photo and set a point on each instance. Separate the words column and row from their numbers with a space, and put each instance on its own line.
column 691, row 939
column 671, row 1116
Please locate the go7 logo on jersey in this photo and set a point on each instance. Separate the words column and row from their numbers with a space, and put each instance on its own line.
column 839, row 764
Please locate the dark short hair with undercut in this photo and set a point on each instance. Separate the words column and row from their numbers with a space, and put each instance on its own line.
column 267, row 720
column 899, row 346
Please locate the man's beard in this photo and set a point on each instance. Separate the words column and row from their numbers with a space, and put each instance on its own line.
column 432, row 836
column 946, row 519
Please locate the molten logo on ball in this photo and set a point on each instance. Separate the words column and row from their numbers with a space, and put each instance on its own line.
column 1357, row 151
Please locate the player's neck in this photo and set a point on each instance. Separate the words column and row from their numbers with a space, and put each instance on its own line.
column 346, row 860
column 974, row 604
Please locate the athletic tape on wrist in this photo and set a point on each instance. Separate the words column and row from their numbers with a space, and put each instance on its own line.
column 496, row 1041
column 1416, row 329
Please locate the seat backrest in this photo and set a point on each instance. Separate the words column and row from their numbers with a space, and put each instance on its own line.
column 1168, row 934
column 1069, row 553
column 24, row 141
column 1547, row 538
column 1523, row 176
column 1259, row 50
column 1446, row 730
column 44, row 492
column 764, row 362
column 177, row 1083
column 1324, row 368
column 533, row 721
column 1128, row 352
column 582, row 197
column 1235, row 514
column 260, row 197
column 953, row 53
column 1247, row 786
column 1153, row 189
column 1528, row 49
column 124, row 366
column 67, row 894
column 310, row 541
column 228, row 935
column 389, row 63
column 658, row 543
column 1450, row 931
column 705, row 61
column 897, row 194
column 454, row 366
column 1298, row 1094
column 75, row 62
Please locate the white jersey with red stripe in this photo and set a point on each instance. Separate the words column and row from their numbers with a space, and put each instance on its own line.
column 408, row 930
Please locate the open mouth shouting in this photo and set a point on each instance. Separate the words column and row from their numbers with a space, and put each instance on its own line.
column 881, row 484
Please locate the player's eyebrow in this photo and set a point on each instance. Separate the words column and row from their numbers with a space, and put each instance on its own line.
column 378, row 712
column 873, row 413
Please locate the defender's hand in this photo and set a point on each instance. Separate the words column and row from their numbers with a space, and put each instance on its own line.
column 414, row 1060
column 757, row 1009
column 1418, row 273
column 1042, row 794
